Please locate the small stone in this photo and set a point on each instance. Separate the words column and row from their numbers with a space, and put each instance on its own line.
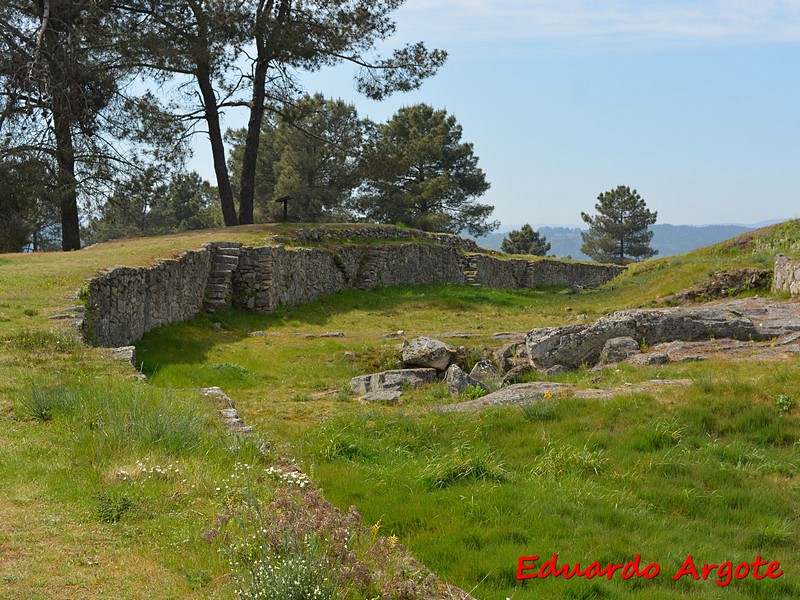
column 556, row 369
column 512, row 336
column 257, row 334
column 126, row 353
column 653, row 358
column 456, row 380
column 485, row 370
column 458, row 334
column 383, row 396
column 217, row 325
column 349, row 354
column 391, row 336
column 517, row 373
column 333, row 334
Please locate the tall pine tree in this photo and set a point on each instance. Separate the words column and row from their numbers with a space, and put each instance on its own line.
column 419, row 173
column 619, row 233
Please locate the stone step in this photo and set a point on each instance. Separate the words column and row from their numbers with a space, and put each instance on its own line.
column 225, row 259
column 214, row 305
column 219, row 288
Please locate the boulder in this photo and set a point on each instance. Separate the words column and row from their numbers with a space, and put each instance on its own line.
column 392, row 380
column 555, row 370
column 573, row 345
column 457, row 381
column 618, row 349
column 428, row 353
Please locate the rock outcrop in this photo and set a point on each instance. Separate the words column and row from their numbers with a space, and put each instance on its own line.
column 574, row 345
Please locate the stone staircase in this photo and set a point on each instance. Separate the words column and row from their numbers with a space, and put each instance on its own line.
column 367, row 277
column 470, row 269
column 224, row 260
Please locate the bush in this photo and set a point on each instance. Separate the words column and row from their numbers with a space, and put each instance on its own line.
column 298, row 570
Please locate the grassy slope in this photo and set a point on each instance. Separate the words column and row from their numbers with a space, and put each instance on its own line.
column 277, row 381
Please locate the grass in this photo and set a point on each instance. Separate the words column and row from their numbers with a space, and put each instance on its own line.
column 115, row 489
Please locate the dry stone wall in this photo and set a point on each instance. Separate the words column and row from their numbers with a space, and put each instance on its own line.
column 786, row 277
column 123, row 303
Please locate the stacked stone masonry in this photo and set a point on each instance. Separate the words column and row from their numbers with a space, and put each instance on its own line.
column 123, row 303
column 786, row 277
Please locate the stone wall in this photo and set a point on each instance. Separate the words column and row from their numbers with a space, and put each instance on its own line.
column 787, row 275
column 123, row 303
column 549, row 271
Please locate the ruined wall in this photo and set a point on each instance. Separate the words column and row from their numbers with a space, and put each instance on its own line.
column 550, row 271
column 786, row 277
column 123, row 303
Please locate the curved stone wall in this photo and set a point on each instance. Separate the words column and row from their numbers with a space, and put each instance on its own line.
column 123, row 303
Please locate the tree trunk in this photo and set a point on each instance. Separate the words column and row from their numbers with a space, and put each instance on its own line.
column 66, row 184
column 264, row 44
column 248, row 179
column 59, row 60
column 217, row 146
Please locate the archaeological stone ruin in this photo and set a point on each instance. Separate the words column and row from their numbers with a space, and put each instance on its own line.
column 124, row 302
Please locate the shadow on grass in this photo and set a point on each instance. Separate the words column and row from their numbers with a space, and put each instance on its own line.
column 190, row 343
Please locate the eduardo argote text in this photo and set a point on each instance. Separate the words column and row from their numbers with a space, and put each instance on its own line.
column 531, row 567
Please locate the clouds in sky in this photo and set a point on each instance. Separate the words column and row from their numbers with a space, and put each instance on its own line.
column 681, row 20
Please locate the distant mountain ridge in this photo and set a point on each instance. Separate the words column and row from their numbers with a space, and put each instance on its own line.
column 667, row 239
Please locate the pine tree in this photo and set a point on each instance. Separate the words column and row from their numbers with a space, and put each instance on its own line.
column 419, row 173
column 525, row 241
column 619, row 232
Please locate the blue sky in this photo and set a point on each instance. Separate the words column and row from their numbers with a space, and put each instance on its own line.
column 694, row 103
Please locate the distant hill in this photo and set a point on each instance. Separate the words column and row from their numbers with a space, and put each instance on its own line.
column 667, row 239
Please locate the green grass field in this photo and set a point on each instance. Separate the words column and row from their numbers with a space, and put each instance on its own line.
column 117, row 489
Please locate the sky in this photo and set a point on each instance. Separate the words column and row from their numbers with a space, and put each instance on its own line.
column 694, row 103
